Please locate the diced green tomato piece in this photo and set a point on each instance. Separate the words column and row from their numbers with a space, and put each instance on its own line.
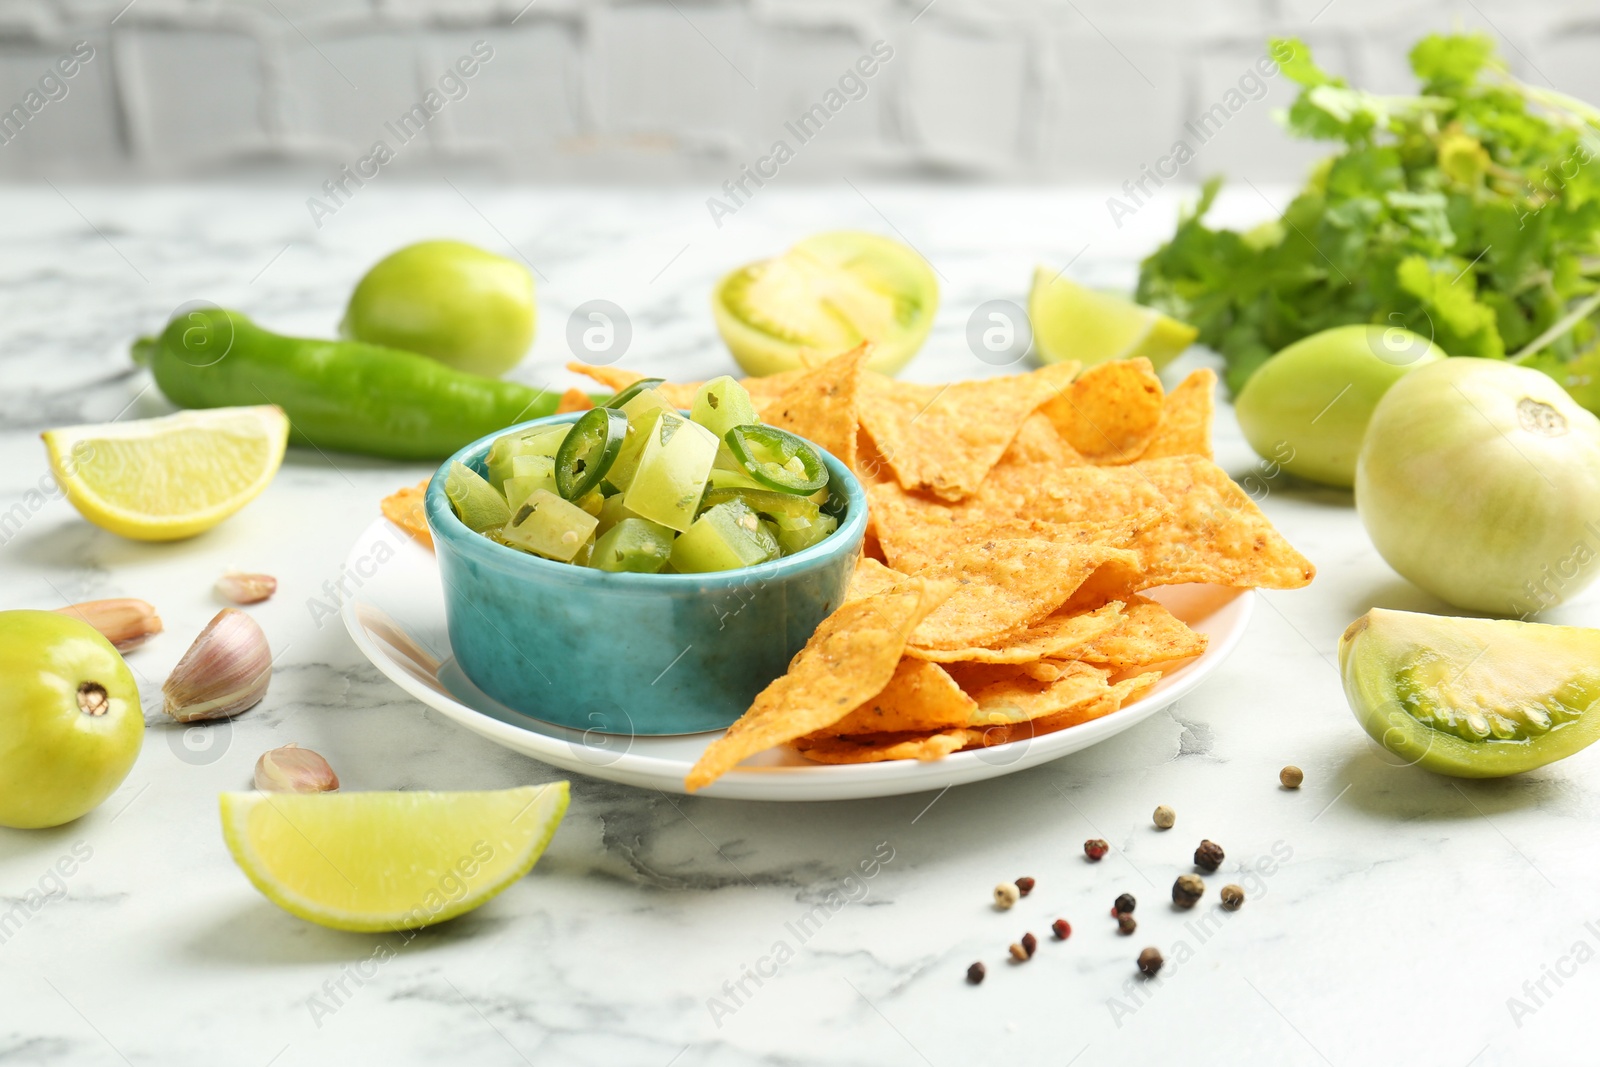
column 802, row 538
column 646, row 401
column 672, row 472
column 730, row 477
column 620, row 476
column 546, row 441
column 778, row 459
column 721, row 404
column 549, row 526
column 589, row 451
column 505, row 449
column 535, row 465
column 635, row 545
column 725, row 538
column 786, row 510
column 518, row 489
column 628, row 392
column 612, row 511
column 476, row 503
column 584, row 553
column 592, row 502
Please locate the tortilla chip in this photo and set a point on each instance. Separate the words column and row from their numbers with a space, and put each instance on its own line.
column 574, row 400
column 1004, row 585
column 403, row 507
column 1005, row 694
column 920, row 696
column 1214, row 532
column 1186, row 413
column 1114, row 697
column 944, row 439
column 1057, row 634
column 881, row 747
column 1146, row 633
column 871, row 578
column 1111, row 412
column 1069, row 494
column 847, row 661
column 823, row 405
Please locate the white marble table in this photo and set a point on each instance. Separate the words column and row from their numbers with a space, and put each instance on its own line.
column 1400, row 913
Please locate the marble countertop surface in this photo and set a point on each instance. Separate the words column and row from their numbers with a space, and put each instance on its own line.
column 1393, row 916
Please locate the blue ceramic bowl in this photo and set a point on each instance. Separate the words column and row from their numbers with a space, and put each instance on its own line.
column 630, row 653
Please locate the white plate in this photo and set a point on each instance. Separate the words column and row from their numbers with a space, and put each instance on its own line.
column 396, row 616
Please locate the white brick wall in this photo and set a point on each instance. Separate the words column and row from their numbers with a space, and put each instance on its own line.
column 673, row 90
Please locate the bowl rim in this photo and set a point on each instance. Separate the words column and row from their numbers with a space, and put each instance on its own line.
column 451, row 531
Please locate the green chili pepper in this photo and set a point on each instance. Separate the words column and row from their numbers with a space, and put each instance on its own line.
column 589, row 450
column 631, row 391
column 777, row 459
column 342, row 395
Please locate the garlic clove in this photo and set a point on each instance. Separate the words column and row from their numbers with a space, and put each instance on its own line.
column 124, row 621
column 292, row 769
column 225, row 671
column 237, row 588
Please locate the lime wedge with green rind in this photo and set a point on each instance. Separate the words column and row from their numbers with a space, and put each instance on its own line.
column 1072, row 322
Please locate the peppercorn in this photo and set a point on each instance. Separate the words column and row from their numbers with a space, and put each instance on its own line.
column 1095, row 848
column 1208, row 857
column 1005, row 895
column 1164, row 818
column 1024, row 885
column 1187, row 890
column 1031, row 944
column 1291, row 777
column 1062, row 928
column 1232, row 897
column 976, row 972
column 1018, row 953
column 1150, row 962
column 1124, row 904
column 1126, row 924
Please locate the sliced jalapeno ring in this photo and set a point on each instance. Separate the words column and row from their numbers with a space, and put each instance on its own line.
column 629, row 392
column 588, row 452
column 778, row 459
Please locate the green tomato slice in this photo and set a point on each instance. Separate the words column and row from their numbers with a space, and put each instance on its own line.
column 588, row 452
column 778, row 459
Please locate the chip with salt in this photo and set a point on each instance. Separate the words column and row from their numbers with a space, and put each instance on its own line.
column 823, row 404
column 1186, row 414
column 1213, row 533
column 1005, row 585
column 403, row 507
column 1146, row 633
column 848, row 660
column 877, row 748
column 1059, row 634
column 920, row 696
column 943, row 439
column 1111, row 412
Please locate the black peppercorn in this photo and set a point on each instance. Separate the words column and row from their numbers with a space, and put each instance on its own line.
column 1126, row 923
column 1124, row 904
column 976, row 972
column 1208, row 857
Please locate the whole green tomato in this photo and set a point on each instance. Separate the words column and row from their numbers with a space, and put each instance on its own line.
column 1479, row 481
column 467, row 308
column 70, row 721
column 1313, row 400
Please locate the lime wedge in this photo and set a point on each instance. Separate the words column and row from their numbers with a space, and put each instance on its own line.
column 388, row 861
column 1071, row 322
column 176, row 476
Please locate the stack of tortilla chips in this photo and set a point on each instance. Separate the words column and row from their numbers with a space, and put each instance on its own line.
column 1013, row 523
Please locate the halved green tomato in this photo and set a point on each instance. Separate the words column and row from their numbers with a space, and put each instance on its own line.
column 1473, row 698
column 824, row 296
column 588, row 452
column 778, row 459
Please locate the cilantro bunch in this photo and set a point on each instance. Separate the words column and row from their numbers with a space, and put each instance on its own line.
column 1469, row 213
